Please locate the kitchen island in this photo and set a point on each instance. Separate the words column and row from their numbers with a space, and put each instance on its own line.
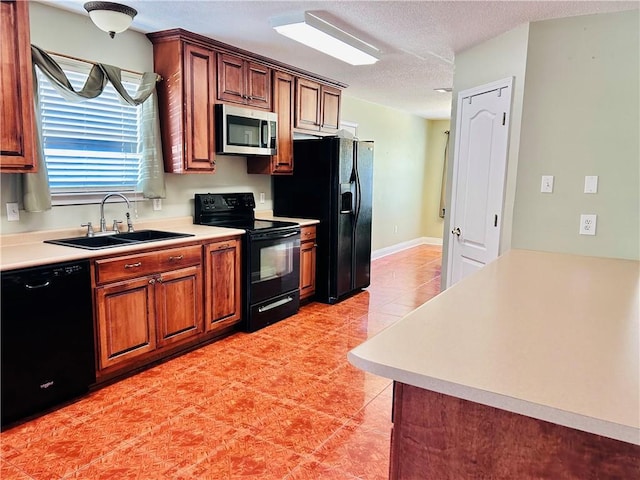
column 528, row 368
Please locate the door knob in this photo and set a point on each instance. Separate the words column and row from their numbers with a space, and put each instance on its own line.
column 456, row 231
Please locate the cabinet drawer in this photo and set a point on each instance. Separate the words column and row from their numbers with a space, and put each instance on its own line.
column 122, row 268
column 179, row 257
column 308, row 233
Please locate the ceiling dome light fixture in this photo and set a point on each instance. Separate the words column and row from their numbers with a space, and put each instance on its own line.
column 110, row 17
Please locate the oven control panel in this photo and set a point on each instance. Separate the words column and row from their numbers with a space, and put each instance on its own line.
column 214, row 203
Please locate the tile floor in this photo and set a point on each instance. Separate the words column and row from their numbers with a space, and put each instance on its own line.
column 281, row 403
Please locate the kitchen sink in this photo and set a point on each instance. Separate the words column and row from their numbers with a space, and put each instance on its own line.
column 117, row 240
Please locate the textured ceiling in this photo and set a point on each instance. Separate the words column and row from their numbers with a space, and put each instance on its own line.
column 418, row 39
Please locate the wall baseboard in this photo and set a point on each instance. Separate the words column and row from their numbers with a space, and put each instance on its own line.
column 398, row 247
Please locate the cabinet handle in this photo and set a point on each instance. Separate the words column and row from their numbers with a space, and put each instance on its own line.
column 159, row 280
column 133, row 265
column 176, row 259
column 224, row 245
column 152, row 281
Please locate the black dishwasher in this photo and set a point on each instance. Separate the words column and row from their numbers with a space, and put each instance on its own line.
column 46, row 334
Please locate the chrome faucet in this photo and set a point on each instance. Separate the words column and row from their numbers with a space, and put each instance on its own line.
column 103, row 222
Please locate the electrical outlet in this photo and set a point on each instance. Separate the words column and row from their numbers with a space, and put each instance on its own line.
column 13, row 213
column 547, row 184
column 588, row 224
column 157, row 204
column 261, row 197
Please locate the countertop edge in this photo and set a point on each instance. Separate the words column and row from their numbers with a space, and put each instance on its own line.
column 522, row 407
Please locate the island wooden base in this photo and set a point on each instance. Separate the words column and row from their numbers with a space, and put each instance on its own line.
column 440, row 437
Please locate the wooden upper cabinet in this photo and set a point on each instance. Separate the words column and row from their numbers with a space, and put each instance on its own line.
column 330, row 109
column 283, row 105
column 244, row 82
column 307, row 105
column 317, row 106
column 17, row 132
column 186, row 98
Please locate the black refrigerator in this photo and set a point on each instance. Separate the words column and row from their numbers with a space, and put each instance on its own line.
column 332, row 182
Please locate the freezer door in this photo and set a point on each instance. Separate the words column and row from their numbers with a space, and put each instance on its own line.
column 343, row 269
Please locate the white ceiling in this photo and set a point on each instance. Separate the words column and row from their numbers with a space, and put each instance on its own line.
column 418, row 39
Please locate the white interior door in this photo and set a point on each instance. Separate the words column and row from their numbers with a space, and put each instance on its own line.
column 482, row 134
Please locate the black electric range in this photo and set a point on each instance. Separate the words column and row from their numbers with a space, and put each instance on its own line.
column 270, row 256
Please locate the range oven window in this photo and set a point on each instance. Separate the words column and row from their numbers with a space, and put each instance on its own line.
column 274, row 264
column 275, row 261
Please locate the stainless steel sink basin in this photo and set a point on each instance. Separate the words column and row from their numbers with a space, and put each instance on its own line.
column 119, row 240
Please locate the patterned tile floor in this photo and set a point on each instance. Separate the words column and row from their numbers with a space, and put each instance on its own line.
column 281, row 403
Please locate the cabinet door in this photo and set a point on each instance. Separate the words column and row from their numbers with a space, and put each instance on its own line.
column 179, row 305
column 223, row 296
column 231, row 79
column 17, row 143
column 330, row 109
column 307, row 105
column 258, row 85
column 199, row 78
column 126, row 321
column 308, row 250
column 283, row 97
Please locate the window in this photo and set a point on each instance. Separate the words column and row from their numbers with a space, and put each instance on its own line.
column 90, row 147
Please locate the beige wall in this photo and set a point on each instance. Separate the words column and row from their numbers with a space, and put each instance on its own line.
column 496, row 59
column 581, row 117
column 574, row 113
column 432, row 224
column 400, row 168
column 404, row 189
column 76, row 35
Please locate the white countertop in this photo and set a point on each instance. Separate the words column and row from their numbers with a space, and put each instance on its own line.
column 24, row 250
column 27, row 249
column 552, row 336
column 268, row 215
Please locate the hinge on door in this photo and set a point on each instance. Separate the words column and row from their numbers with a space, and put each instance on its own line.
column 504, row 117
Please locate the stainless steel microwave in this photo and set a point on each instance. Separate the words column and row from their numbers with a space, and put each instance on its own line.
column 244, row 131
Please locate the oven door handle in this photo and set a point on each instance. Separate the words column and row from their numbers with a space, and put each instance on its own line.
column 277, row 304
column 275, row 236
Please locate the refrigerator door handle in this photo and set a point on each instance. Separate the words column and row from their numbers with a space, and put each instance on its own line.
column 358, row 186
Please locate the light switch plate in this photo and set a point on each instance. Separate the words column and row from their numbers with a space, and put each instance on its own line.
column 591, row 184
column 157, row 204
column 588, row 224
column 547, row 184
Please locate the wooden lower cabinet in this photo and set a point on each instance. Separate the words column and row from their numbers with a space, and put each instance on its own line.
column 223, row 296
column 145, row 303
column 126, row 321
column 179, row 305
column 159, row 303
column 437, row 436
column 308, row 249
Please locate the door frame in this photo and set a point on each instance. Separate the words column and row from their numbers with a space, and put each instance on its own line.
column 470, row 92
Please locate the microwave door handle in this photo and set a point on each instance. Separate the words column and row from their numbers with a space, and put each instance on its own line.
column 264, row 127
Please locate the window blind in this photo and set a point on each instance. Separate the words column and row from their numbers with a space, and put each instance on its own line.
column 90, row 146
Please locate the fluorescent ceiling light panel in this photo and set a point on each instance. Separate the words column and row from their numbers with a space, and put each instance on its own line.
column 320, row 35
